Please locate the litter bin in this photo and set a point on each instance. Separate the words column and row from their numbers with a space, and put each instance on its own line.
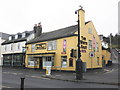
column 48, row 70
column 84, row 67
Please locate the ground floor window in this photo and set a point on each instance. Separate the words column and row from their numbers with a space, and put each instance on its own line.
column 64, row 61
column 18, row 60
column 48, row 61
column 7, row 60
column 32, row 61
column 13, row 59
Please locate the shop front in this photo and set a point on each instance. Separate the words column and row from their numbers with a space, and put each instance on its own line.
column 16, row 59
column 41, row 60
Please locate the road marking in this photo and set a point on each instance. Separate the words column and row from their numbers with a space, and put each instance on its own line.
column 110, row 71
column 40, row 77
column 6, row 87
column 26, row 75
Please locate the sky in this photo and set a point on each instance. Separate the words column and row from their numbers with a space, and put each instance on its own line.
column 21, row 15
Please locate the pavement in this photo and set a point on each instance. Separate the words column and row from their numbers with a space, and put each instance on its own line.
column 106, row 75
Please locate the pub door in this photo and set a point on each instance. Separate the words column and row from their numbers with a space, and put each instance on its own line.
column 40, row 63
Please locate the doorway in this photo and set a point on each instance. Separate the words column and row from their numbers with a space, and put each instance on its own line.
column 40, row 63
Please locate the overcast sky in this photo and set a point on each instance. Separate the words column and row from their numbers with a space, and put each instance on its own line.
column 20, row 15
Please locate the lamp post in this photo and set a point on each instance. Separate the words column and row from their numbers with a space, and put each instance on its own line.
column 79, row 74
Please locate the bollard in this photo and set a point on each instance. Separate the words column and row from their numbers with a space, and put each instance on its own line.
column 22, row 84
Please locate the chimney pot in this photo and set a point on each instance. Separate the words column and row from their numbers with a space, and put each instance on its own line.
column 35, row 25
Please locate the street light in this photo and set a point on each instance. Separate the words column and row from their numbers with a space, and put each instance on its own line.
column 79, row 74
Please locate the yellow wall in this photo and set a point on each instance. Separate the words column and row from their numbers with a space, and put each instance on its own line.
column 106, row 56
column 71, row 44
column 91, row 62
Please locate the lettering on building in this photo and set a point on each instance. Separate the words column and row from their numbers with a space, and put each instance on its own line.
column 83, row 44
column 40, row 46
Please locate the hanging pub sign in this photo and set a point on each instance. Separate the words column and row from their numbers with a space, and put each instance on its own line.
column 64, row 47
column 40, row 46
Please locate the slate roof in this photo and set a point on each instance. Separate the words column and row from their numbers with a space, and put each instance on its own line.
column 4, row 35
column 61, row 33
column 16, row 40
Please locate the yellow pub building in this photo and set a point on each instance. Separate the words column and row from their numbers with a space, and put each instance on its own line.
column 58, row 48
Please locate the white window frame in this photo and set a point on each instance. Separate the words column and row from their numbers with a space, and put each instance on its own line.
column 18, row 46
column 16, row 36
column 90, row 45
column 52, row 45
column 48, row 61
column 31, row 61
column 5, row 47
column 64, row 61
column 11, row 48
column 90, row 30
column 97, row 47
column 33, row 48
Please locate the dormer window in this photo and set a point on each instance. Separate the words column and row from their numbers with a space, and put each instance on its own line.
column 10, row 37
column 23, row 35
column 16, row 36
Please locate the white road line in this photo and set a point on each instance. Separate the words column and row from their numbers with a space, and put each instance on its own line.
column 111, row 71
column 26, row 75
column 6, row 87
column 40, row 77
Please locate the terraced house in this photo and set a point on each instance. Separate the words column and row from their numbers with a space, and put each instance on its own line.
column 58, row 48
column 13, row 49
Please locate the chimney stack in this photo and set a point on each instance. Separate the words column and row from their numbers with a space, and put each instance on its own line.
column 37, row 30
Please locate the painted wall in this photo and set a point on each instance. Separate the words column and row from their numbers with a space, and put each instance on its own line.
column 58, row 52
column 14, row 47
column 1, row 57
column 91, row 62
column 106, row 56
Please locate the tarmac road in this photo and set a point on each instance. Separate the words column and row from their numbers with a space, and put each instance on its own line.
column 12, row 80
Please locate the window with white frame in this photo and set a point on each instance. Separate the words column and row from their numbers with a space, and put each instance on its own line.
column 89, row 30
column 11, row 47
column 23, row 35
column 18, row 46
column 52, row 45
column 5, row 47
column 33, row 48
column 64, row 61
column 30, row 61
column 90, row 44
column 16, row 36
column 48, row 61
column 97, row 47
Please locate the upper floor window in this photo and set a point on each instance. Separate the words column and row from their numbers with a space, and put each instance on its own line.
column 11, row 47
column 90, row 44
column 16, row 36
column 33, row 48
column 52, row 45
column 5, row 47
column 89, row 30
column 97, row 47
column 18, row 46
column 23, row 35
column 10, row 37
